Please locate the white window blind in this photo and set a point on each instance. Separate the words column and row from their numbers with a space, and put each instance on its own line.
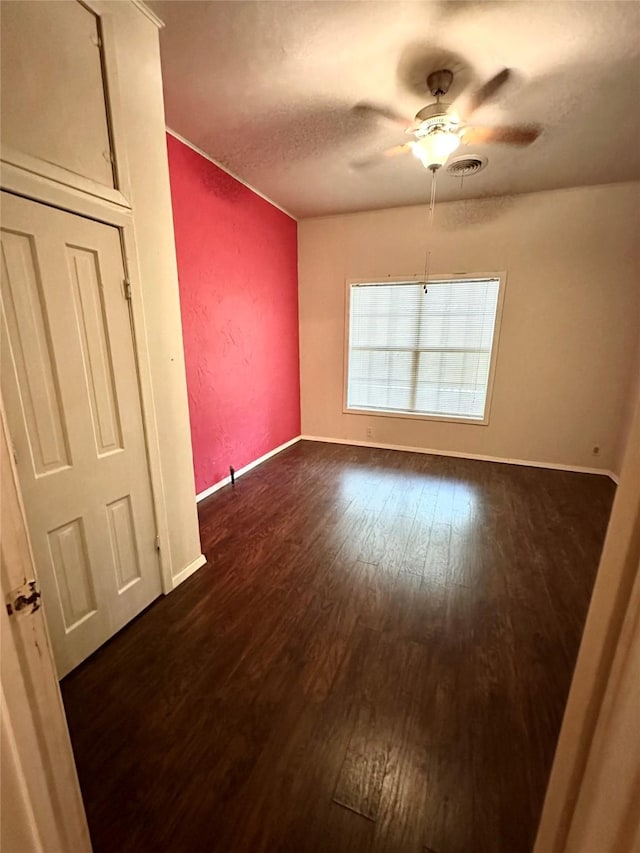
column 429, row 354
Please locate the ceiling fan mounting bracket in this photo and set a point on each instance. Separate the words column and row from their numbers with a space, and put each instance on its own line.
column 439, row 82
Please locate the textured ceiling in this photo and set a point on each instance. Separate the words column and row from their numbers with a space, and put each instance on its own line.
column 268, row 90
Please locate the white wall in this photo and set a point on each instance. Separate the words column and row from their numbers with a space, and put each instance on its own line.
column 570, row 326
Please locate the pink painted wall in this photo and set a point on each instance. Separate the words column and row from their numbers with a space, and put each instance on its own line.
column 237, row 266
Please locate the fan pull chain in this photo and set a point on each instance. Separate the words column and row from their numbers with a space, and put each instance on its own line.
column 429, row 230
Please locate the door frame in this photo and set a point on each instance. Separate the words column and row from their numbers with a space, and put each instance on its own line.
column 36, row 188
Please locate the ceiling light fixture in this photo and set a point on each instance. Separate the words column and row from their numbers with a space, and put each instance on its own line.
column 434, row 149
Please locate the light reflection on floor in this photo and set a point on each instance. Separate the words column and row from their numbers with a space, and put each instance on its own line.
column 449, row 499
column 413, row 528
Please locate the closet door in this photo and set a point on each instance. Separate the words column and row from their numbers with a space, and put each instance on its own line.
column 70, row 386
column 54, row 99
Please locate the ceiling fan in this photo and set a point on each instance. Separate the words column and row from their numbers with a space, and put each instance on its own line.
column 438, row 129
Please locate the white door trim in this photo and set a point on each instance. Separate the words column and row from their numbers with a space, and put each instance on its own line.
column 143, row 363
column 590, row 728
column 100, row 210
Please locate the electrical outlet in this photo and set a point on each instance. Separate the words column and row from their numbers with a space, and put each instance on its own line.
column 596, row 450
column 369, row 432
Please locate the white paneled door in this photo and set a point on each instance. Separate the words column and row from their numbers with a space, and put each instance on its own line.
column 70, row 386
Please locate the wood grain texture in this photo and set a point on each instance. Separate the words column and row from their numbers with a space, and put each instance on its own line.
column 376, row 658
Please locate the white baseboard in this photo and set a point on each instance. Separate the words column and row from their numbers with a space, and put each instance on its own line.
column 188, row 570
column 225, row 482
column 459, row 455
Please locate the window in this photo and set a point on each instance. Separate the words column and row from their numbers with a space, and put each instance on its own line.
column 423, row 354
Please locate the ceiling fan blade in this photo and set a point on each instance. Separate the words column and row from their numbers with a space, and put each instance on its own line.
column 488, row 90
column 367, row 110
column 395, row 151
column 517, row 135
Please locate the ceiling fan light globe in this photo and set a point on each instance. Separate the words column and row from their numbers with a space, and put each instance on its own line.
column 425, row 154
column 434, row 150
column 444, row 144
column 436, row 161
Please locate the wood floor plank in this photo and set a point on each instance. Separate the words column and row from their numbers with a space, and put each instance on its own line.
column 375, row 737
column 375, row 660
column 427, row 792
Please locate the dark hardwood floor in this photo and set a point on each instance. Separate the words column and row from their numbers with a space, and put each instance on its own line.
column 376, row 658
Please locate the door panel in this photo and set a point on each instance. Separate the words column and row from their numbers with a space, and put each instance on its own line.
column 53, row 105
column 26, row 328
column 70, row 561
column 70, row 385
column 96, row 355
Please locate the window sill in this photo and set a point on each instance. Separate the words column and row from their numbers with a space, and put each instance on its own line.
column 416, row 416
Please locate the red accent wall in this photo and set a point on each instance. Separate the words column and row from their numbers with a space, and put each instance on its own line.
column 238, row 272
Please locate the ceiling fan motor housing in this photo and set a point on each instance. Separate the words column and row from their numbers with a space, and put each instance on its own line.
column 439, row 82
column 435, row 117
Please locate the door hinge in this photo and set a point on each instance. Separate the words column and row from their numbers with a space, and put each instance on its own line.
column 157, row 543
column 24, row 597
column 127, row 288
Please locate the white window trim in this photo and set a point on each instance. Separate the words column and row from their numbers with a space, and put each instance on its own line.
column 386, row 279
